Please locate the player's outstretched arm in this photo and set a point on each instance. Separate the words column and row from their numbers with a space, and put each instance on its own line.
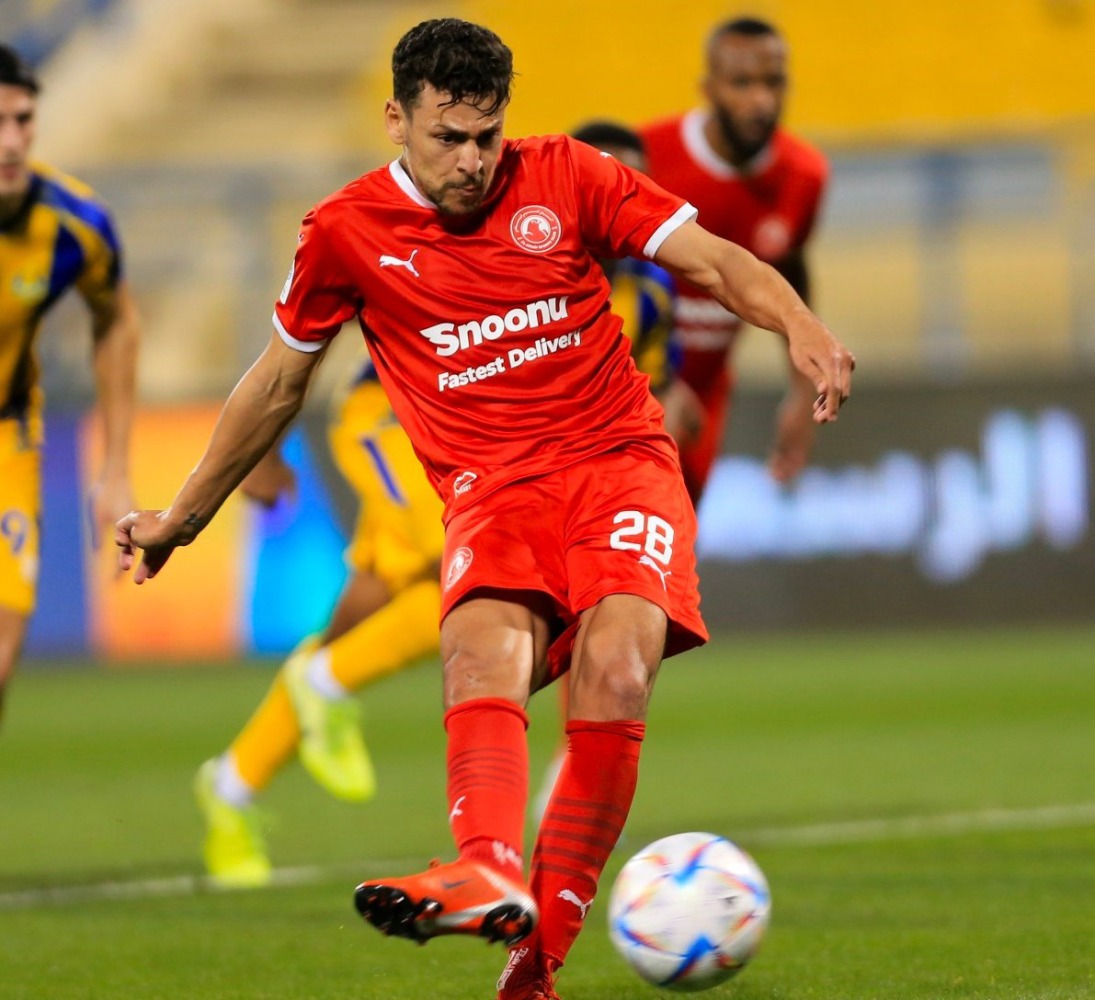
column 263, row 402
column 760, row 295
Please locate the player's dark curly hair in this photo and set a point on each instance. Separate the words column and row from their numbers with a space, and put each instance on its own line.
column 15, row 72
column 752, row 27
column 605, row 133
column 464, row 60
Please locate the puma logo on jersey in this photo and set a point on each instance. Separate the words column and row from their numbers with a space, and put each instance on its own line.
column 645, row 560
column 452, row 337
column 571, row 897
column 387, row 260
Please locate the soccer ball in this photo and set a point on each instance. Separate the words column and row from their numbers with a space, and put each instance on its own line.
column 689, row 911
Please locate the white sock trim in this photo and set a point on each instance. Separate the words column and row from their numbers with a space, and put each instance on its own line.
column 229, row 784
column 320, row 678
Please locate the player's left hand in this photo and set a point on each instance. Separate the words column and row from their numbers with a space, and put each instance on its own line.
column 156, row 533
column 825, row 361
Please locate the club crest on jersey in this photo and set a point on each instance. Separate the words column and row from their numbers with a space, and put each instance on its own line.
column 458, row 565
column 772, row 238
column 535, row 229
column 463, row 482
column 29, row 289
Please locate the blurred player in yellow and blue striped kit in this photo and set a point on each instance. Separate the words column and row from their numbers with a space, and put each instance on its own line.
column 55, row 235
column 388, row 613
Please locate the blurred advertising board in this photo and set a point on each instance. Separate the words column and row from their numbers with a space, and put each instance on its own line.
column 946, row 504
column 953, row 504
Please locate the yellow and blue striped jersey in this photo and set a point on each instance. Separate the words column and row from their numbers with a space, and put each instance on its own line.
column 642, row 296
column 61, row 237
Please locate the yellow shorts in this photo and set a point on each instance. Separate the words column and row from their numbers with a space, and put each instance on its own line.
column 399, row 534
column 20, row 492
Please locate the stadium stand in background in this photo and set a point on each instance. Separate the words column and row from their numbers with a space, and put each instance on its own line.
column 956, row 248
column 956, row 239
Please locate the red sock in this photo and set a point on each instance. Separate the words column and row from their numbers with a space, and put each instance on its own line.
column 488, row 781
column 583, row 821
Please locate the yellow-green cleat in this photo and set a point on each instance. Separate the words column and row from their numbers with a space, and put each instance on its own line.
column 331, row 748
column 234, row 849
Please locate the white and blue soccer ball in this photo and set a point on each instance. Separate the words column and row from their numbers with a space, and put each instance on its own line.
column 689, row 911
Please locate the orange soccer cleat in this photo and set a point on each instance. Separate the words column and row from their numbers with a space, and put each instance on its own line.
column 461, row 897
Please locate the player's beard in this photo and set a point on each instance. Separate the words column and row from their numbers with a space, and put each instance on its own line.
column 457, row 202
column 744, row 148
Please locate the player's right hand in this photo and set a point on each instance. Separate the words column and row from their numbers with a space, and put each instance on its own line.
column 151, row 532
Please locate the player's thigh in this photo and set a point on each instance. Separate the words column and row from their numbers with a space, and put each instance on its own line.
column 698, row 456
column 20, row 478
column 363, row 594
column 493, row 643
column 616, row 656
column 398, row 535
column 13, row 629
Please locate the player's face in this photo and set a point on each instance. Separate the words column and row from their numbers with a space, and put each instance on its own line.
column 16, row 136
column 746, row 83
column 449, row 150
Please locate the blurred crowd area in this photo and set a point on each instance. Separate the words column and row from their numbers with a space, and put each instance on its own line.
column 958, row 239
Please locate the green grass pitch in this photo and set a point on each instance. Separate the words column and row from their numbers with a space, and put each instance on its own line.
column 923, row 805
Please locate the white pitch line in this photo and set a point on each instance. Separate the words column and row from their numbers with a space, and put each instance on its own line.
column 820, row 834
column 179, row 885
column 898, row 828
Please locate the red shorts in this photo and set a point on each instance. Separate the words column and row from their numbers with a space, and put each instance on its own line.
column 619, row 523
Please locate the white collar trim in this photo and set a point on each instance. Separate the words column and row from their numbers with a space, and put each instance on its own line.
column 695, row 141
column 403, row 179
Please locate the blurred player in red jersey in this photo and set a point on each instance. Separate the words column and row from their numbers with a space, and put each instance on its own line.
column 753, row 183
column 471, row 265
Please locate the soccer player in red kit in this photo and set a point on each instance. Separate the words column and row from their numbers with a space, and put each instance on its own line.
column 754, row 183
column 471, row 266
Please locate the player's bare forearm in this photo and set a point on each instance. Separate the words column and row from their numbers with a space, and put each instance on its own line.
column 761, row 296
column 259, row 408
column 263, row 402
column 116, row 334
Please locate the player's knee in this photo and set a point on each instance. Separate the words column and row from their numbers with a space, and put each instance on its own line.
column 611, row 683
column 9, row 654
column 471, row 673
column 12, row 632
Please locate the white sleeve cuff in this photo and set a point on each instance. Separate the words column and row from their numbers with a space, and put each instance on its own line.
column 305, row 346
column 686, row 213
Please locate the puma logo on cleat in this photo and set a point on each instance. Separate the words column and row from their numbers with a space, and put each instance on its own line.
column 572, row 897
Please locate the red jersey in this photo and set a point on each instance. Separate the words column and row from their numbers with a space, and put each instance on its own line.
column 491, row 332
column 769, row 210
